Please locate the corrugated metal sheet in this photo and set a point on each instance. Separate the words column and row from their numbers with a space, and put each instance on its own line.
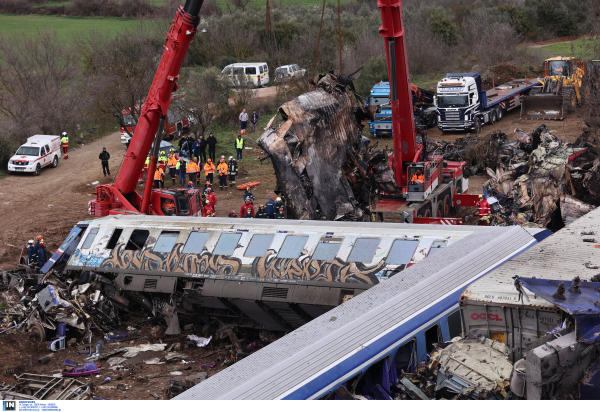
column 562, row 256
column 316, row 347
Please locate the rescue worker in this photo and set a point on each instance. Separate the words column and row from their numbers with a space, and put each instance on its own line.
column 418, row 177
column 207, row 210
column 484, row 207
column 174, row 153
column 36, row 247
column 182, row 170
column 212, row 145
column 162, row 160
column 232, row 167
column 146, row 165
column 279, row 203
column 42, row 256
column 65, row 144
column 172, row 165
column 196, row 149
column 168, row 207
column 104, row 156
column 248, row 195
column 209, row 170
column 212, row 198
column 280, row 214
column 222, row 168
column 31, row 256
column 159, row 176
column 248, row 215
column 247, row 206
column 203, row 145
column 262, row 212
column 206, row 187
column 190, row 185
column 192, row 169
column 231, row 214
column 239, row 147
column 271, row 208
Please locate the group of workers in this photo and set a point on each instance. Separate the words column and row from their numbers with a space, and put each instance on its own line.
column 37, row 255
column 274, row 208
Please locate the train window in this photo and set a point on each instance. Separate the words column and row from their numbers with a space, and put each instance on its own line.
column 363, row 250
column 351, row 383
column 432, row 335
column 90, row 238
column 259, row 245
column 406, row 357
column 454, row 325
column 326, row 250
column 227, row 244
column 436, row 246
column 195, row 243
column 137, row 240
column 402, row 252
column 114, row 238
column 292, row 247
column 166, row 242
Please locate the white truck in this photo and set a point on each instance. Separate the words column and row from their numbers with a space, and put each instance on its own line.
column 39, row 151
column 462, row 104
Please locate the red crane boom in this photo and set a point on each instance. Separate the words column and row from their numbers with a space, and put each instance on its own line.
column 121, row 196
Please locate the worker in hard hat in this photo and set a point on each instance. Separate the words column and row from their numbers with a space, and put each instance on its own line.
column 222, row 168
column 209, row 170
column 159, row 176
column 271, row 207
column 207, row 210
column 232, row 168
column 261, row 213
column 64, row 140
column 247, row 206
column 484, row 207
column 232, row 214
column 162, row 160
column 280, row 213
column 193, row 169
column 31, row 253
column 212, row 198
column 42, row 256
column 172, row 165
column 248, row 195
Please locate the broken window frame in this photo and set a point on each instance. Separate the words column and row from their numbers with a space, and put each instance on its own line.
column 257, row 238
column 166, row 247
column 327, row 250
column 413, row 355
column 226, row 244
column 359, row 249
column 137, row 245
column 440, row 338
column 188, row 245
column 112, row 241
column 433, row 249
column 387, row 258
column 455, row 314
column 89, row 239
column 295, row 248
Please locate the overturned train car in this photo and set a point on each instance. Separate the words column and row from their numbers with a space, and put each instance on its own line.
column 250, row 273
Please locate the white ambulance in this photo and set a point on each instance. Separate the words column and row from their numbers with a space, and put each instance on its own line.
column 39, row 151
column 255, row 73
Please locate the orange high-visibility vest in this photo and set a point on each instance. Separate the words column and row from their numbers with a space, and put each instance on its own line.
column 158, row 174
column 222, row 168
column 172, row 162
column 209, row 168
column 191, row 167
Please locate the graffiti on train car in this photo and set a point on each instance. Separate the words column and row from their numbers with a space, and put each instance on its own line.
column 304, row 268
column 269, row 266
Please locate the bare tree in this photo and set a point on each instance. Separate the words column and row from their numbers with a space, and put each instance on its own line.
column 224, row 39
column 39, row 82
column 119, row 72
column 205, row 97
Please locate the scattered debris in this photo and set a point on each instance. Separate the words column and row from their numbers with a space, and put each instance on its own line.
column 41, row 387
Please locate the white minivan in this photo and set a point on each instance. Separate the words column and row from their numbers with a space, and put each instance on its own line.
column 39, row 151
column 257, row 73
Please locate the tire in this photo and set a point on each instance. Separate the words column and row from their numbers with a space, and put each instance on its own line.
column 55, row 162
column 493, row 116
column 38, row 170
column 500, row 113
column 569, row 101
column 433, row 120
column 477, row 126
column 427, row 213
column 440, row 209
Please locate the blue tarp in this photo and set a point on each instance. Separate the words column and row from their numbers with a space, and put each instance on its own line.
column 585, row 306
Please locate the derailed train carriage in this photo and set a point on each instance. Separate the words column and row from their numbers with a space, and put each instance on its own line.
column 250, row 273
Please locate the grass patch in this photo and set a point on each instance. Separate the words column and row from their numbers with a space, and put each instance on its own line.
column 65, row 27
column 580, row 49
column 427, row 81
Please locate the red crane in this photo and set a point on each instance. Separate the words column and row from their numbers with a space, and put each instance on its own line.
column 428, row 186
column 121, row 196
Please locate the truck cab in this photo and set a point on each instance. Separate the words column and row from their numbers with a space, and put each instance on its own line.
column 423, row 178
column 458, row 101
column 39, row 151
column 176, row 202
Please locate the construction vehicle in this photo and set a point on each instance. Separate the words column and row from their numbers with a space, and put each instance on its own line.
column 462, row 104
column 121, row 196
column 428, row 187
column 566, row 85
column 424, row 108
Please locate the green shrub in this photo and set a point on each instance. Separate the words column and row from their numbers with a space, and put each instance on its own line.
column 7, row 150
column 374, row 71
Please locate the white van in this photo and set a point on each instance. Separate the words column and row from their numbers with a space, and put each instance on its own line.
column 39, row 151
column 257, row 73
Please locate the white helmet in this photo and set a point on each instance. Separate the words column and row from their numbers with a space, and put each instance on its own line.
column 230, row 157
column 278, row 199
column 64, row 133
column 30, row 241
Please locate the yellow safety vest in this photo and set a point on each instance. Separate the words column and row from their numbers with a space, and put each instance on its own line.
column 239, row 143
column 65, row 140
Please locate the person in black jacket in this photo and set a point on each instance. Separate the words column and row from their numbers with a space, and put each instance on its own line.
column 212, row 144
column 261, row 213
column 203, row 144
column 232, row 169
column 104, row 156
column 253, row 120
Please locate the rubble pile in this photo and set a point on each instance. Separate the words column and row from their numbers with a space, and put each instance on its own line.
column 537, row 180
column 323, row 164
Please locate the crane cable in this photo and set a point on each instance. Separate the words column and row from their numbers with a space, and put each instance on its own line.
column 319, row 40
column 340, row 32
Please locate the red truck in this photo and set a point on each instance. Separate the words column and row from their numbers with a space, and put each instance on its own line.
column 175, row 124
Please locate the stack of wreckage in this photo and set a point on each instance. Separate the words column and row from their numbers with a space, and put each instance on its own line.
column 535, row 181
column 324, row 165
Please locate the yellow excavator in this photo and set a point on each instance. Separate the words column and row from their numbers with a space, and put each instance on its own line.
column 567, row 84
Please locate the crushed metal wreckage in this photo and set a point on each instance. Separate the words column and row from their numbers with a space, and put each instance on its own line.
column 324, row 165
column 30, row 386
column 535, row 181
